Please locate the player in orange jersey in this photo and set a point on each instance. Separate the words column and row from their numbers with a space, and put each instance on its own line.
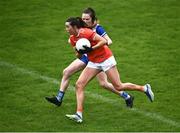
column 100, row 59
column 89, row 17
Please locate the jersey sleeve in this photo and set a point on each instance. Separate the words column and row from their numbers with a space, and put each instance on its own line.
column 100, row 30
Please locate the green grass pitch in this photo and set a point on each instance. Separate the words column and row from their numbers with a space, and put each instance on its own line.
column 34, row 51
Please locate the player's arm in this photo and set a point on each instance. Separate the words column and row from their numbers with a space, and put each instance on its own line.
column 69, row 41
column 101, row 41
column 100, row 31
column 109, row 41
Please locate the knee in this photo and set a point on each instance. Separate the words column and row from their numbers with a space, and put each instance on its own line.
column 118, row 87
column 79, row 85
column 66, row 73
column 103, row 84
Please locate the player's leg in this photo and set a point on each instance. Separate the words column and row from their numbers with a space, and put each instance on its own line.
column 114, row 77
column 74, row 67
column 102, row 78
column 103, row 82
column 84, row 78
column 86, row 75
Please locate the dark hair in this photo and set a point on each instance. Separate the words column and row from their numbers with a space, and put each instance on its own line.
column 91, row 12
column 76, row 21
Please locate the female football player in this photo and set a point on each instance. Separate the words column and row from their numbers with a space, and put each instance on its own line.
column 100, row 59
column 89, row 17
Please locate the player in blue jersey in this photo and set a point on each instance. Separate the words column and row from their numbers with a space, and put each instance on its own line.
column 89, row 17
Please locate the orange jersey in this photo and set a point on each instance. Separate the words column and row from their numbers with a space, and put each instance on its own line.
column 98, row 55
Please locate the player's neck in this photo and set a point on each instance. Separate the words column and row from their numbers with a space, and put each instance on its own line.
column 94, row 24
column 77, row 32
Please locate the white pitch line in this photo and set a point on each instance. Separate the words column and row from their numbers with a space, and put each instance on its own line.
column 93, row 95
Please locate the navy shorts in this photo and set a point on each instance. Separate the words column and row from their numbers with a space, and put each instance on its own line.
column 84, row 59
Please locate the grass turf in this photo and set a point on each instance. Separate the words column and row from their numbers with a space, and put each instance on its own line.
column 145, row 36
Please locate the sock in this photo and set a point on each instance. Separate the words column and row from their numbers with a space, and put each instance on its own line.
column 60, row 95
column 124, row 95
column 145, row 88
column 79, row 113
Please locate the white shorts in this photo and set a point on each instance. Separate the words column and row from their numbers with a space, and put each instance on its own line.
column 105, row 65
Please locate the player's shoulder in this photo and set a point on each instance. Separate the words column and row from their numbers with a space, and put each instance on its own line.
column 98, row 27
column 85, row 31
column 100, row 30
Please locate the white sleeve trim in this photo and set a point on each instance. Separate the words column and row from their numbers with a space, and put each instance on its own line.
column 103, row 34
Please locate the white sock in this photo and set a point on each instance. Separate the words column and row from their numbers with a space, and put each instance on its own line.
column 124, row 95
column 145, row 88
column 79, row 113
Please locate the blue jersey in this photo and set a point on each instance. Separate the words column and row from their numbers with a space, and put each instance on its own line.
column 99, row 30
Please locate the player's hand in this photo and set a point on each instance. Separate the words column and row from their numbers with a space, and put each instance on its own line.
column 78, row 55
column 75, row 49
column 87, row 49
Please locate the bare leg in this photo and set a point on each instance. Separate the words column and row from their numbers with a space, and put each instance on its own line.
column 86, row 75
column 102, row 78
column 114, row 77
column 74, row 67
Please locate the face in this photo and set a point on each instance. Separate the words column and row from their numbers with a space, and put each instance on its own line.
column 87, row 19
column 69, row 28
